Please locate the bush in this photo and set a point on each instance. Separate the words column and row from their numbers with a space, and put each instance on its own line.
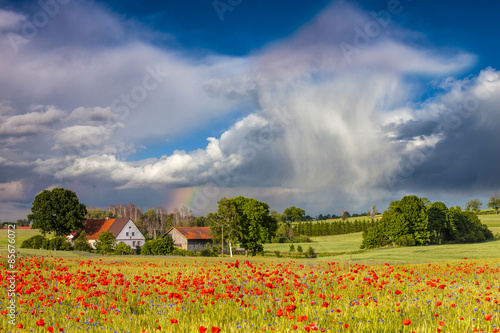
column 55, row 243
column 405, row 240
column 302, row 239
column 310, row 253
column 123, row 248
column 34, row 242
column 292, row 248
column 159, row 247
column 81, row 243
column 277, row 254
column 106, row 243
column 299, row 249
column 66, row 246
column 209, row 251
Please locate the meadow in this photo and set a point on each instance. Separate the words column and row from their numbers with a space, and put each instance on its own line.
column 446, row 288
column 130, row 294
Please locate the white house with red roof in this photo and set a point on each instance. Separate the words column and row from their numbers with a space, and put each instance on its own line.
column 123, row 230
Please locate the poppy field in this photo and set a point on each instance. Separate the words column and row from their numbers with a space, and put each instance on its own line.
column 227, row 295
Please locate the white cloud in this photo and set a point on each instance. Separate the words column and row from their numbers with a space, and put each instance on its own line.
column 10, row 20
column 29, row 123
column 324, row 127
column 11, row 191
column 92, row 115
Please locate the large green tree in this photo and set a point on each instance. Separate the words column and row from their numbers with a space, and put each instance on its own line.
column 57, row 211
column 474, row 205
column 246, row 220
column 293, row 214
column 494, row 202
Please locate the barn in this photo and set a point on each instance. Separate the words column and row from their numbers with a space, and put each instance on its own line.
column 190, row 238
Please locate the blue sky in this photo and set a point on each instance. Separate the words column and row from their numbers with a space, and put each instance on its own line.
column 319, row 104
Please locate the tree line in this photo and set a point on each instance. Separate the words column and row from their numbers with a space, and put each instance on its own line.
column 325, row 228
column 416, row 221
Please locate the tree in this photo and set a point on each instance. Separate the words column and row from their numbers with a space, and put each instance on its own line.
column 438, row 224
column 293, row 214
column 474, row 205
column 494, row 202
column 96, row 213
column 22, row 223
column 225, row 224
column 373, row 211
column 106, row 243
column 57, row 211
column 81, row 243
column 243, row 220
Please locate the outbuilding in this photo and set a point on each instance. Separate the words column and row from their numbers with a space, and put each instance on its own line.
column 190, row 238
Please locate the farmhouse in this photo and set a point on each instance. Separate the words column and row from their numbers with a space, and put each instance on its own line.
column 190, row 238
column 124, row 230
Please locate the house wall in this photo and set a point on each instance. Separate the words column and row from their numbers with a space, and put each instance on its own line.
column 92, row 243
column 197, row 245
column 131, row 236
column 179, row 239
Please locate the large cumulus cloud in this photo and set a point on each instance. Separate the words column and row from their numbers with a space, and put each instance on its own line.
column 331, row 115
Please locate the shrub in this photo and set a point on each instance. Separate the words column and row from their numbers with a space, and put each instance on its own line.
column 310, row 253
column 66, row 246
column 106, row 243
column 34, row 242
column 302, row 239
column 123, row 248
column 405, row 240
column 158, row 247
column 277, row 253
column 81, row 243
column 208, row 251
column 55, row 243
column 292, row 248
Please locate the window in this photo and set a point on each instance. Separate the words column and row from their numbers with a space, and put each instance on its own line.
column 133, row 243
column 139, row 243
column 133, row 233
column 126, row 234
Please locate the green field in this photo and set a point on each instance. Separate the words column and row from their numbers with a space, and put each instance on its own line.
column 21, row 235
column 341, row 248
column 492, row 220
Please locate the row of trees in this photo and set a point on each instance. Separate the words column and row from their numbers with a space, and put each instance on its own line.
column 412, row 221
column 475, row 204
column 324, row 228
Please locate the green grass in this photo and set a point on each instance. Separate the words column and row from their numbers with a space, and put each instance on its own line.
column 492, row 220
column 429, row 253
column 21, row 235
column 336, row 243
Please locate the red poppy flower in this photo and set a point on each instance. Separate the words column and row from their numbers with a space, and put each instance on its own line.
column 202, row 329
column 174, row 321
column 406, row 321
column 215, row 329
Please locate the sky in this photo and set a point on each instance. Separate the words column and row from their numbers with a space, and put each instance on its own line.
column 324, row 105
